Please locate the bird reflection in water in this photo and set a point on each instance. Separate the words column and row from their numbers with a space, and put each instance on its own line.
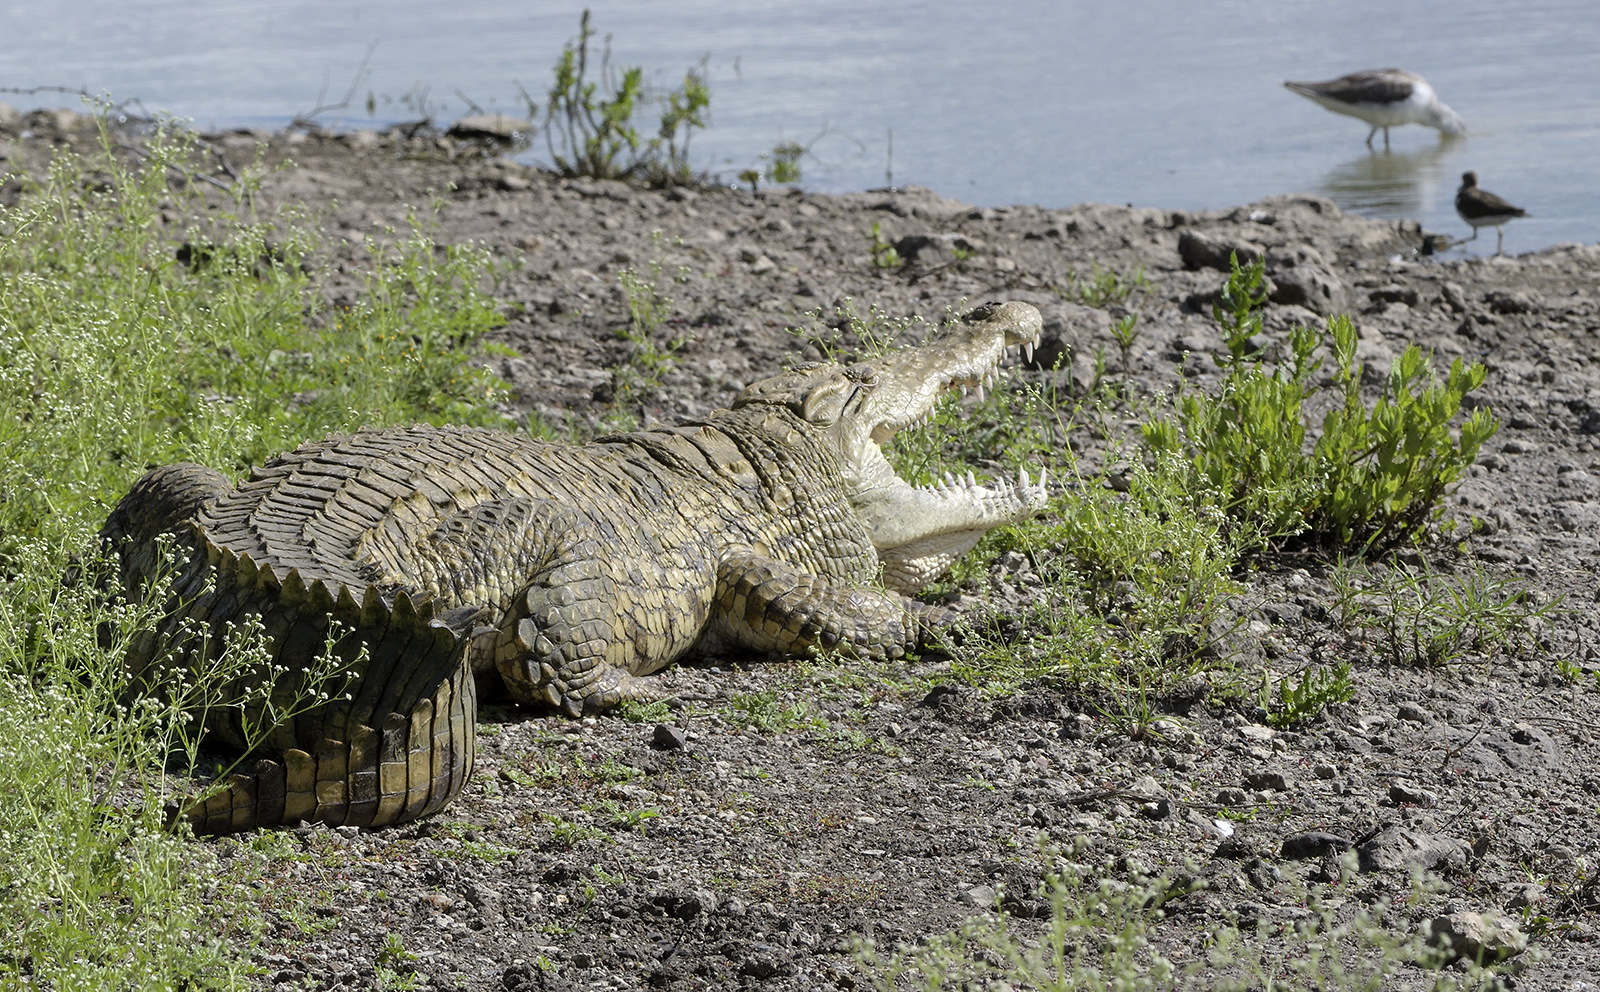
column 1383, row 183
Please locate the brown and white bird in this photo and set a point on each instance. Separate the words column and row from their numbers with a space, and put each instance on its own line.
column 1481, row 208
column 1384, row 98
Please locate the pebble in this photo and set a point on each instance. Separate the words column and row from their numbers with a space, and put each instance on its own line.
column 1480, row 937
column 1314, row 844
column 1407, row 793
column 1267, row 781
column 1398, row 848
column 666, row 737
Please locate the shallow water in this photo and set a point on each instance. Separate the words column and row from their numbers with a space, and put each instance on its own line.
column 1165, row 104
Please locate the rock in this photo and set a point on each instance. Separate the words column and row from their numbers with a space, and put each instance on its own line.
column 1202, row 251
column 487, row 900
column 1314, row 844
column 1267, row 781
column 685, row 904
column 1454, row 296
column 1525, row 895
column 1261, row 874
column 1283, row 613
column 1413, row 713
column 502, row 128
column 1395, row 293
column 1510, row 302
column 1397, row 848
column 1300, row 277
column 1065, row 326
column 1407, row 793
column 1482, row 938
column 10, row 118
column 977, row 896
column 1249, row 915
column 1325, row 771
column 762, row 961
column 933, row 249
column 666, row 737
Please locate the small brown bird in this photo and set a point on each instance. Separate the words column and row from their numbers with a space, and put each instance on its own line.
column 1481, row 208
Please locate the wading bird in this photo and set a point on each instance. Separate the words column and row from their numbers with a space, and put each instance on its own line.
column 1384, row 98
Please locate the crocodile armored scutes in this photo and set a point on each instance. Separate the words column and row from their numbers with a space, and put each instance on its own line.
column 391, row 569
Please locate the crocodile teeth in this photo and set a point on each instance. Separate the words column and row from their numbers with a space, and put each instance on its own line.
column 980, row 392
column 1022, row 479
column 1027, row 351
column 972, row 482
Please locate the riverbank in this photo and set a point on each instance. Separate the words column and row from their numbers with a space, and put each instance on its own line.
column 755, row 848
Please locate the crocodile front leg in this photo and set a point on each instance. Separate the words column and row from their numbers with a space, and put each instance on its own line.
column 767, row 605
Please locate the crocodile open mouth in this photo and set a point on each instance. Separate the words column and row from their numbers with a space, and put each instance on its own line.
column 919, row 530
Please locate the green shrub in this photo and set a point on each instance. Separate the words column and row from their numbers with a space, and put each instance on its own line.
column 589, row 127
column 1373, row 479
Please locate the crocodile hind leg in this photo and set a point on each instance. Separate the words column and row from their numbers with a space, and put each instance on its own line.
column 558, row 641
column 587, row 620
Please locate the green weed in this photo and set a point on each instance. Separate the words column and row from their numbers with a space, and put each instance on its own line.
column 884, row 255
column 1103, row 288
column 1428, row 619
column 1298, row 702
column 763, row 711
column 1373, row 479
column 134, row 334
column 649, row 307
column 566, row 834
column 1105, row 934
column 393, row 964
column 589, row 127
column 784, row 166
column 1126, row 334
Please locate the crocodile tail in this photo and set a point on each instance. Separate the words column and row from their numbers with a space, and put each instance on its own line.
column 394, row 743
column 407, row 767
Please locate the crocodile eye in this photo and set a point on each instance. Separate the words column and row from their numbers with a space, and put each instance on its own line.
column 864, row 374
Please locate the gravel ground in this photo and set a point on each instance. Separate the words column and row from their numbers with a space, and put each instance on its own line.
column 716, row 849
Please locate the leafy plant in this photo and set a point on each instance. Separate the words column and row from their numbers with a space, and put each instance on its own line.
column 114, row 356
column 1317, row 689
column 1125, row 332
column 884, row 255
column 648, row 309
column 1103, row 287
column 1388, row 468
column 1372, row 480
column 393, row 966
column 1102, row 934
column 763, row 711
column 592, row 121
column 1429, row 620
column 785, row 164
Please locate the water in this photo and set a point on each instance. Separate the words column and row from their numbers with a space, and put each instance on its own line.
column 1169, row 104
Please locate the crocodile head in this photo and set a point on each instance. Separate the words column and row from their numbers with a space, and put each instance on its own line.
column 919, row 531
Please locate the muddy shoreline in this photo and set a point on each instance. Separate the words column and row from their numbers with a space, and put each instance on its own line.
column 895, row 813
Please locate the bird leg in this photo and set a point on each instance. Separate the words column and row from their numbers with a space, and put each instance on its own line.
column 1500, row 240
column 1371, row 133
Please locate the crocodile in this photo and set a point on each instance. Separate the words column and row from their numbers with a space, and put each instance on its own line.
column 388, row 571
